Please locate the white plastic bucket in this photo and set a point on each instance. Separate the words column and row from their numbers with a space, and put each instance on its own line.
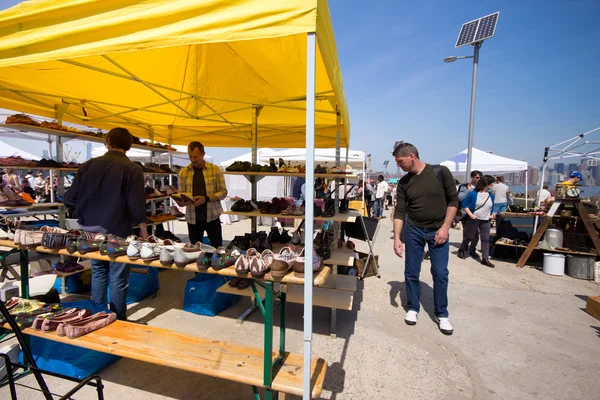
column 554, row 264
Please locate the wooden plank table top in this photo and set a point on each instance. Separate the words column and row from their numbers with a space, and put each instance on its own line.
column 322, row 297
column 573, row 252
column 318, row 280
column 211, row 357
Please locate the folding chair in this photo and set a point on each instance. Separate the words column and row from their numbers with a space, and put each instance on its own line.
column 94, row 380
column 366, row 229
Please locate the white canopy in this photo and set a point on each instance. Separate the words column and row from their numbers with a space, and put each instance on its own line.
column 179, row 158
column 356, row 158
column 6, row 150
column 484, row 162
column 262, row 154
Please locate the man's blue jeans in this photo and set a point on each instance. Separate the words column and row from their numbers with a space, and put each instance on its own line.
column 415, row 239
column 118, row 275
column 378, row 208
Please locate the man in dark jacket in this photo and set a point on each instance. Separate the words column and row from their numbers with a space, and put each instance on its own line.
column 108, row 197
column 426, row 202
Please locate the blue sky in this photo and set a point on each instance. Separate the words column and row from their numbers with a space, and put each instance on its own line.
column 538, row 77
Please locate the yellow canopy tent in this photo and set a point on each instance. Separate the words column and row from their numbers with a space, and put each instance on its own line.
column 175, row 71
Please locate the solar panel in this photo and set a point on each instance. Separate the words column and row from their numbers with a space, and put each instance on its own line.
column 487, row 26
column 477, row 30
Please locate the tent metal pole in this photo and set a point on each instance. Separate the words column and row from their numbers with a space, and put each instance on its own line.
column 526, row 184
column 255, row 113
column 535, row 223
column 311, row 53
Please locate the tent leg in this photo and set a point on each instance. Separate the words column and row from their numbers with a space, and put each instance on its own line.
column 311, row 52
column 253, row 181
column 535, row 222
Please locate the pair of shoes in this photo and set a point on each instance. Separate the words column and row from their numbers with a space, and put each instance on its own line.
column 461, row 254
column 487, row 263
column 239, row 283
column 443, row 323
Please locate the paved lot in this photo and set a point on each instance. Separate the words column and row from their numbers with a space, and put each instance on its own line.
column 519, row 334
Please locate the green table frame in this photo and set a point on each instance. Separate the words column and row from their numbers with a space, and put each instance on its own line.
column 266, row 306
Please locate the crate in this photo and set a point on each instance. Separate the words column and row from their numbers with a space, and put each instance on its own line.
column 360, row 262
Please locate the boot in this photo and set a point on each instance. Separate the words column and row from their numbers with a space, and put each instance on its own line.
column 487, row 263
column 461, row 254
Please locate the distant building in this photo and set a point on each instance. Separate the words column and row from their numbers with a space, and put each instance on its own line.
column 553, row 178
column 572, row 167
column 560, row 168
column 597, row 170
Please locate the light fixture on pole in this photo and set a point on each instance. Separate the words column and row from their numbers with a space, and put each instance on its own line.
column 474, row 33
column 385, row 165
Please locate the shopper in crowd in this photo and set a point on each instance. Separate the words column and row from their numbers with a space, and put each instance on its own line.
column 425, row 208
column 39, row 182
column 108, row 197
column 380, row 194
column 12, row 180
column 30, row 178
column 206, row 183
column 543, row 196
column 573, row 180
column 297, row 188
column 463, row 190
column 320, row 186
column 501, row 193
column 369, row 191
column 479, row 206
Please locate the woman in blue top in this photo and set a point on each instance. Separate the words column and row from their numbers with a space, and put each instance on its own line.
column 478, row 206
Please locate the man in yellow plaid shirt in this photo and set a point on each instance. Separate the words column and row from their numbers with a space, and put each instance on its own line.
column 206, row 183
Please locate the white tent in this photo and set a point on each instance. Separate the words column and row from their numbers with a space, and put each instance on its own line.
column 487, row 163
column 179, row 158
column 263, row 155
column 484, row 162
column 356, row 158
column 6, row 150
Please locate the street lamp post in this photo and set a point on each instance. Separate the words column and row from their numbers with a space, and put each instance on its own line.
column 475, row 58
column 474, row 33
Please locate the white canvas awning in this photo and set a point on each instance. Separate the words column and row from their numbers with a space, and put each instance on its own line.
column 356, row 158
column 6, row 150
column 484, row 162
column 179, row 158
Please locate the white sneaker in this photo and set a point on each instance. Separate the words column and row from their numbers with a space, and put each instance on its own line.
column 445, row 326
column 133, row 250
column 167, row 251
column 150, row 249
column 411, row 317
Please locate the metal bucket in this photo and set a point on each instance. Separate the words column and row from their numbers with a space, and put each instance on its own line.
column 554, row 264
column 580, row 267
column 554, row 237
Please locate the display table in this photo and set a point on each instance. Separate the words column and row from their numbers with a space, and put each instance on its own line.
column 177, row 350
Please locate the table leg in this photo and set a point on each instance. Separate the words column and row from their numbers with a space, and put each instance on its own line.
column 24, row 260
column 268, row 345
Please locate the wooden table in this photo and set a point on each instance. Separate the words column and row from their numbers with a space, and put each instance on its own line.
column 271, row 366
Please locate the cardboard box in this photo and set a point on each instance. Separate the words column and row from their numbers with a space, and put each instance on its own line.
column 592, row 306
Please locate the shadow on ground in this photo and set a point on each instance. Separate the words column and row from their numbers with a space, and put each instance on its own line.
column 398, row 291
